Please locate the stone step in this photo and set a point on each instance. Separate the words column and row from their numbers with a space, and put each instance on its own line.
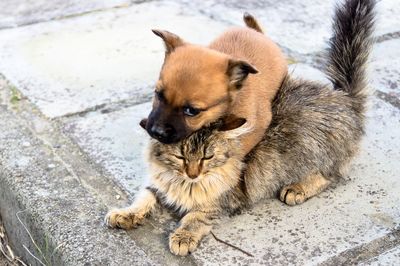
column 71, row 147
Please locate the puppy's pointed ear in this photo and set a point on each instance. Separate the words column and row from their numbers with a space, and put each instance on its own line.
column 143, row 123
column 231, row 122
column 232, row 126
column 238, row 70
column 171, row 40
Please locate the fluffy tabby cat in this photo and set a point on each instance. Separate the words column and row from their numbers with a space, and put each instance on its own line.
column 315, row 131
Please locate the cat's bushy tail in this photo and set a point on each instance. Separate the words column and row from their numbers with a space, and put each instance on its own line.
column 349, row 48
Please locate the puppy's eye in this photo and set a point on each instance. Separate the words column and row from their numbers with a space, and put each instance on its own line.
column 191, row 111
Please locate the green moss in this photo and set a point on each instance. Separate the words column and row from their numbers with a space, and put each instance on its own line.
column 15, row 95
column 291, row 60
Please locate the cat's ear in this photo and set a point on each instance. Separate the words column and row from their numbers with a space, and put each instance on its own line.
column 143, row 123
column 233, row 126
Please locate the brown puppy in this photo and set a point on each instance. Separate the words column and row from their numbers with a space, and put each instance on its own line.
column 198, row 85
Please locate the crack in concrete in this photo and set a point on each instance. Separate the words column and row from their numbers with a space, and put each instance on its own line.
column 388, row 36
column 110, row 107
column 78, row 14
column 366, row 251
column 103, row 108
column 388, row 98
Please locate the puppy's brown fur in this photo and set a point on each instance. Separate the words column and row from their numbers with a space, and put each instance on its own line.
column 253, row 100
column 238, row 73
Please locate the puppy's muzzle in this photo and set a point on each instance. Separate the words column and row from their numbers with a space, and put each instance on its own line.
column 165, row 134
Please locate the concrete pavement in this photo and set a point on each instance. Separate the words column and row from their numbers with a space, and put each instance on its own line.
column 76, row 80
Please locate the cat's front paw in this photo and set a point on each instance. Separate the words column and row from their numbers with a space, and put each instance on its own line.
column 293, row 194
column 123, row 219
column 182, row 242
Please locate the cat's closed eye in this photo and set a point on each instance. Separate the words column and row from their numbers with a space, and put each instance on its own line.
column 209, row 157
column 179, row 157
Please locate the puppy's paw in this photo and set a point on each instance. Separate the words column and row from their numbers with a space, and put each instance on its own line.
column 182, row 242
column 293, row 194
column 123, row 219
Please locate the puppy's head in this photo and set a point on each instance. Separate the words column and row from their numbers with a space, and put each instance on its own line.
column 196, row 87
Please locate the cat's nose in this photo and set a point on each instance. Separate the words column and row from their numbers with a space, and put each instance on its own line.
column 192, row 170
column 193, row 175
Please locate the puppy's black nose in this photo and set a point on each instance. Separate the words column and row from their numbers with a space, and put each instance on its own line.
column 158, row 132
column 162, row 133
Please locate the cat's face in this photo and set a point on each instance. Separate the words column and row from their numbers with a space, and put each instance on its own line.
column 202, row 154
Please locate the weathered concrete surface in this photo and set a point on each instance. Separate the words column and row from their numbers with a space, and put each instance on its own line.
column 387, row 22
column 51, row 202
column 391, row 257
column 115, row 141
column 21, row 12
column 71, row 65
column 386, row 65
column 285, row 21
column 301, row 26
column 65, row 173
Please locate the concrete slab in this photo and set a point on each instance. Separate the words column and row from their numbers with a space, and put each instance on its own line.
column 361, row 209
column 284, row 21
column 387, row 21
column 46, row 209
column 386, row 64
column 22, row 12
column 306, row 22
column 71, row 65
column 122, row 140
